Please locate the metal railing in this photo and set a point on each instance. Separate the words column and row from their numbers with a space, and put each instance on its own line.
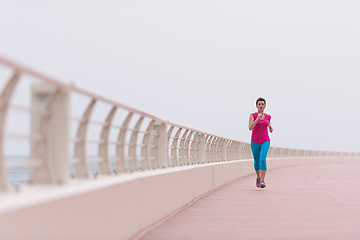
column 127, row 140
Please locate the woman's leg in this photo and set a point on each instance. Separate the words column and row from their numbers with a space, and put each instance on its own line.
column 263, row 154
column 255, row 148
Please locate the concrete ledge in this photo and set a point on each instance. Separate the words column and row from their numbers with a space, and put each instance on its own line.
column 118, row 207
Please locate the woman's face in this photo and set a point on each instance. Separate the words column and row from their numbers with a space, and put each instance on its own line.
column 261, row 105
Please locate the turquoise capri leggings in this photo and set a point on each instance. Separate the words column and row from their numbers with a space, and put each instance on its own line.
column 259, row 151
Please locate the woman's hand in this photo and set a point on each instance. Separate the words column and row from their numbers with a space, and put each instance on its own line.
column 270, row 127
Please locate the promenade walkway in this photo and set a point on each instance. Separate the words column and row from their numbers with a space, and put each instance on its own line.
column 314, row 201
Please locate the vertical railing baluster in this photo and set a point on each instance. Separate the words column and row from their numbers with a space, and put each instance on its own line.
column 105, row 164
column 186, row 148
column 153, row 150
column 195, row 146
column 240, row 151
column 174, row 153
column 230, row 150
column 193, row 158
column 81, row 165
column 213, row 149
column 201, row 149
column 248, row 151
column 146, row 163
column 220, row 150
column 224, row 150
column 5, row 98
column 171, row 164
column 244, row 151
column 182, row 151
column 237, row 151
column 121, row 163
column 272, row 152
column 278, row 152
column 132, row 160
column 282, row 153
column 207, row 146
column 217, row 150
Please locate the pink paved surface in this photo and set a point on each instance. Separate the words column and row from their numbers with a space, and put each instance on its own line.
column 312, row 201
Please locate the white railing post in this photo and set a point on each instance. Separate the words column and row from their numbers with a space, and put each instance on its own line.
column 217, row 149
column 53, row 150
column 175, row 150
column 240, row 151
column 162, row 146
column 248, row 152
column 237, row 151
column 202, row 156
column 169, row 133
column 146, row 162
column 182, row 150
column 188, row 159
column 192, row 150
column 229, row 149
column 208, row 140
column 224, row 155
column 213, row 149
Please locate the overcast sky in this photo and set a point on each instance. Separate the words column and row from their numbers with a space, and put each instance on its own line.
column 204, row 63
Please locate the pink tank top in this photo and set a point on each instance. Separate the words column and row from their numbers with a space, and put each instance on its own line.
column 260, row 133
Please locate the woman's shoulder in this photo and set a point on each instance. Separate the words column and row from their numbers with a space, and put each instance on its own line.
column 254, row 114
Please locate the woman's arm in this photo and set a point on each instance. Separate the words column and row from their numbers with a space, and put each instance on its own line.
column 252, row 122
column 270, row 127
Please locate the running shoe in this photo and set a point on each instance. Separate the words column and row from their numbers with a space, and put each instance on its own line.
column 258, row 182
column 262, row 184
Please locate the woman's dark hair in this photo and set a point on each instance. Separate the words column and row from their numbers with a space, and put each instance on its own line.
column 260, row 99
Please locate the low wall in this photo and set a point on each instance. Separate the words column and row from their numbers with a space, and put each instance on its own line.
column 118, row 207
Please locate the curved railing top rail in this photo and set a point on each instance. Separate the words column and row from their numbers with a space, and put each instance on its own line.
column 149, row 144
column 72, row 87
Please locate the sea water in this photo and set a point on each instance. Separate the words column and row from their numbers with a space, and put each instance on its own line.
column 21, row 175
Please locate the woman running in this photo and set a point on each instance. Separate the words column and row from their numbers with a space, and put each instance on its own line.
column 260, row 140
